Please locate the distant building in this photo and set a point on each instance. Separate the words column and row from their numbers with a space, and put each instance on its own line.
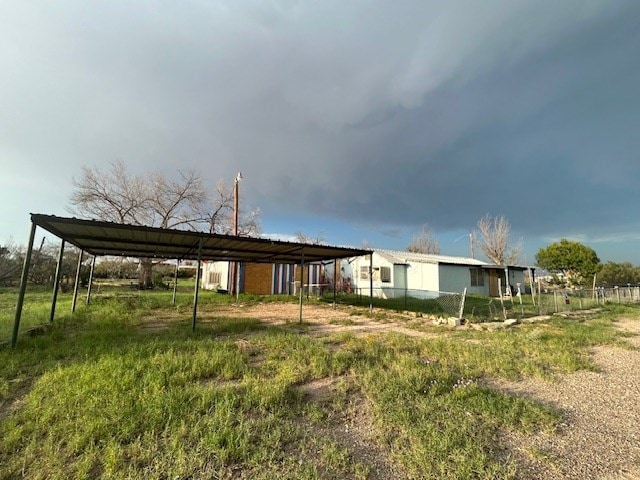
column 395, row 274
column 399, row 273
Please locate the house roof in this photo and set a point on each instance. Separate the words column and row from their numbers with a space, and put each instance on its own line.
column 107, row 238
column 400, row 257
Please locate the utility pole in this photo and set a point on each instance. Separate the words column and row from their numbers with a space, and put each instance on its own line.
column 236, row 200
column 471, row 244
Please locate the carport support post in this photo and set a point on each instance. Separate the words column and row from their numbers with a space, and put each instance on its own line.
column 93, row 266
column 237, row 280
column 23, row 285
column 196, row 289
column 175, row 282
column 301, row 283
column 335, row 282
column 56, row 283
column 77, row 282
column 371, row 282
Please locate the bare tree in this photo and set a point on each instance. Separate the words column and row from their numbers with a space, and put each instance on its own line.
column 154, row 200
column 493, row 239
column 10, row 263
column 303, row 237
column 424, row 242
column 218, row 214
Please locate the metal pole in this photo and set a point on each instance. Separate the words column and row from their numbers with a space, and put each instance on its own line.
column 236, row 208
column 56, row 283
column 301, row 282
column 23, row 285
column 175, row 282
column 371, row 282
column 504, row 310
column 195, row 293
column 406, row 293
column 335, row 282
column 75, row 286
column 238, row 265
column 533, row 290
column 93, row 266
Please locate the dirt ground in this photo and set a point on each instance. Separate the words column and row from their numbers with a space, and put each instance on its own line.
column 323, row 319
column 599, row 437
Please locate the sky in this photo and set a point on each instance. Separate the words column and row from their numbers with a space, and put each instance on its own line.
column 357, row 121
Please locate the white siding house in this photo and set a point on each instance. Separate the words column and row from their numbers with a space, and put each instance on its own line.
column 216, row 275
column 396, row 274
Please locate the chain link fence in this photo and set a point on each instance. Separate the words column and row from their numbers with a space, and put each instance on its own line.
column 448, row 304
column 483, row 309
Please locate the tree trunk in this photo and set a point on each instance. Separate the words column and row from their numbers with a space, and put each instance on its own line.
column 145, row 274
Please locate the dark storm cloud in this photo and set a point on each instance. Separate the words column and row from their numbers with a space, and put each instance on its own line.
column 546, row 139
column 399, row 115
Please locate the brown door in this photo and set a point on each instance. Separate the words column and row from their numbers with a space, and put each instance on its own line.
column 493, row 283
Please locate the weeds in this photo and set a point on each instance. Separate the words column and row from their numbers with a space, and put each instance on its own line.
column 97, row 395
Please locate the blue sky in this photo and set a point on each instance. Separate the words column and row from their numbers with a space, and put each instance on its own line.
column 356, row 121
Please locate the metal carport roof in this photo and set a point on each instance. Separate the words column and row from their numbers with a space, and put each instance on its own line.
column 106, row 238
column 99, row 238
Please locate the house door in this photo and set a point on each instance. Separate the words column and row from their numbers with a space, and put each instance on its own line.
column 493, row 284
column 494, row 275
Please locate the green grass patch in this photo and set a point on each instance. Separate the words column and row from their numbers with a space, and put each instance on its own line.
column 99, row 395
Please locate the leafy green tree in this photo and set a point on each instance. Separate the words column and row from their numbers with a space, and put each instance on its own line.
column 576, row 261
column 618, row 274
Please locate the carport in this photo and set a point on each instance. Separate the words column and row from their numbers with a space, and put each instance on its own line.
column 98, row 238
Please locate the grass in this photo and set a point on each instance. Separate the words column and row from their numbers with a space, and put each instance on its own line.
column 98, row 396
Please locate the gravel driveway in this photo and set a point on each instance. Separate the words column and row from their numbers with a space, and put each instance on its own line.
column 600, row 435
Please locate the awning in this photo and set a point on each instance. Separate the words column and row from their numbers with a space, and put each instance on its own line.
column 106, row 238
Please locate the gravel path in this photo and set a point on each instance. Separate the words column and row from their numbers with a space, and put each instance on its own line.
column 600, row 435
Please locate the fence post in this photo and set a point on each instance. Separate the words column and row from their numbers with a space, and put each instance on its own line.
column 555, row 300
column 521, row 306
column 618, row 291
column 504, row 310
column 464, row 296
column 580, row 298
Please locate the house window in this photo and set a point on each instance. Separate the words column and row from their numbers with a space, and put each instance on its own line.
column 477, row 279
column 385, row 274
column 364, row 273
column 214, row 278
